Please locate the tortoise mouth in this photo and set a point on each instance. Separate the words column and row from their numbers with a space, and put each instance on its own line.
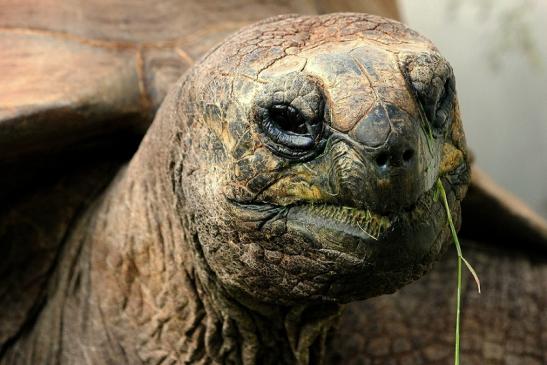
column 346, row 219
column 358, row 232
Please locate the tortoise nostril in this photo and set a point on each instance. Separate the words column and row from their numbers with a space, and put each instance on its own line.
column 382, row 159
column 407, row 155
column 388, row 160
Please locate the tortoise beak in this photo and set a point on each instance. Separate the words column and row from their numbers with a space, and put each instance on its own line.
column 380, row 163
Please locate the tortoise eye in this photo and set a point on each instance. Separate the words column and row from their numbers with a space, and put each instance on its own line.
column 292, row 133
column 289, row 114
column 288, row 119
column 442, row 112
column 437, row 103
column 431, row 79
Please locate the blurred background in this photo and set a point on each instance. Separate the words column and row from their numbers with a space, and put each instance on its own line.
column 498, row 49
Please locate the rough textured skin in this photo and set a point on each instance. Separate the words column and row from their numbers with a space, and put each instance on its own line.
column 78, row 91
column 225, row 238
column 288, row 173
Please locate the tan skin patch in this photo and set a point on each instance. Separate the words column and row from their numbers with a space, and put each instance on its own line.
column 452, row 158
column 295, row 187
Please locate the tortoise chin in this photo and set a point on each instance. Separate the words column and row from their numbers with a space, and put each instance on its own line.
column 362, row 253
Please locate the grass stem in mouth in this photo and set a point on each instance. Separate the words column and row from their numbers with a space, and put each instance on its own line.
column 461, row 259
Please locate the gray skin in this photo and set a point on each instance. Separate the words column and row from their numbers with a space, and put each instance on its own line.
column 290, row 171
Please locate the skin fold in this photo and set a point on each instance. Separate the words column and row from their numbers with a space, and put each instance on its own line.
column 289, row 172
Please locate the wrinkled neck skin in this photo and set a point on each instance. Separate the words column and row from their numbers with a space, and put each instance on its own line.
column 131, row 287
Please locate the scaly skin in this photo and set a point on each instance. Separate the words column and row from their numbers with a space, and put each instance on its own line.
column 222, row 242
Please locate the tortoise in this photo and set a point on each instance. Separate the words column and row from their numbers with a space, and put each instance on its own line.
column 288, row 175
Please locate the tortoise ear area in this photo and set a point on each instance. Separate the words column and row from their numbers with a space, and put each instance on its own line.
column 431, row 80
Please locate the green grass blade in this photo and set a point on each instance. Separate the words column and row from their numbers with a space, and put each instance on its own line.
column 458, row 313
column 449, row 216
column 442, row 192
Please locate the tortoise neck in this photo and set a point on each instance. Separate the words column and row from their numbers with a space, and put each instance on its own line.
column 149, row 296
column 244, row 330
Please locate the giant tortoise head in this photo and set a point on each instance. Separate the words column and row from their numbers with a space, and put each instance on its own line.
column 307, row 154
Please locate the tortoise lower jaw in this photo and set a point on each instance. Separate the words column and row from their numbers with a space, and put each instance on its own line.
column 357, row 222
